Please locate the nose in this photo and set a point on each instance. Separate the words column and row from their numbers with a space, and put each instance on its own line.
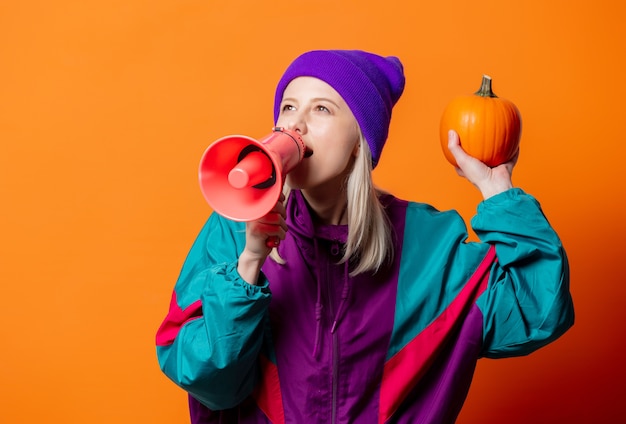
column 296, row 122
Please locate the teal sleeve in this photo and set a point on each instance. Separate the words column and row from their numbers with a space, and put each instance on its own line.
column 527, row 303
column 211, row 338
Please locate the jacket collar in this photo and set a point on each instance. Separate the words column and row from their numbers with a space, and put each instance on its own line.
column 301, row 223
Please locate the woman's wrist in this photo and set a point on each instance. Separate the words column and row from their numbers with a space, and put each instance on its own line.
column 493, row 189
column 249, row 267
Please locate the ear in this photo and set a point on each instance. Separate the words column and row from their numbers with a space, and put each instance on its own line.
column 357, row 147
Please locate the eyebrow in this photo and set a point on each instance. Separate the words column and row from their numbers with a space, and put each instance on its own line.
column 313, row 100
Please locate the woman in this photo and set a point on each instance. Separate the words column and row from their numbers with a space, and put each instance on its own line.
column 372, row 308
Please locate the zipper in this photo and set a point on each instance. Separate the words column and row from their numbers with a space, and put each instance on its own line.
column 334, row 339
column 335, row 378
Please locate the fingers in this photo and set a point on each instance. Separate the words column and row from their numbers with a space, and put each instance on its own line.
column 490, row 181
column 465, row 163
column 267, row 231
column 454, row 142
column 280, row 207
column 272, row 225
column 514, row 159
column 464, row 160
column 454, row 145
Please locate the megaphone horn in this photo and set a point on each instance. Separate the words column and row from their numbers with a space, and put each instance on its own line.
column 242, row 178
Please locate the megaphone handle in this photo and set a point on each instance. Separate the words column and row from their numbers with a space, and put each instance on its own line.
column 272, row 242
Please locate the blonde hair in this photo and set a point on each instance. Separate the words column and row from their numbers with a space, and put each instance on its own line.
column 369, row 244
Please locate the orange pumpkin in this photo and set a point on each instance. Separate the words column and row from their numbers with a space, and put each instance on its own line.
column 489, row 126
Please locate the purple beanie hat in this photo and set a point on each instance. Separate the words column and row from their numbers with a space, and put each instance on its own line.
column 370, row 85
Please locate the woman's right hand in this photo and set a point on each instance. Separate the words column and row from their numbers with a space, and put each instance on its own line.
column 490, row 181
column 259, row 234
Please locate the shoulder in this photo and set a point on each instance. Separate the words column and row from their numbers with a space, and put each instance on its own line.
column 221, row 232
column 416, row 212
column 218, row 222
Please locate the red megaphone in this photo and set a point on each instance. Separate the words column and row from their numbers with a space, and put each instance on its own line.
column 242, row 178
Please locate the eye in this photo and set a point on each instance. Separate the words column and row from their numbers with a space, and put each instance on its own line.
column 287, row 107
column 322, row 108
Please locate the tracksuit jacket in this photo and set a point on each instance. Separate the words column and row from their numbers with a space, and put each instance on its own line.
column 311, row 344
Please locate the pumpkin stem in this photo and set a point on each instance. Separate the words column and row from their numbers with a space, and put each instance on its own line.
column 485, row 88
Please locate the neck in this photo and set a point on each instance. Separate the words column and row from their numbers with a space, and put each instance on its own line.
column 327, row 209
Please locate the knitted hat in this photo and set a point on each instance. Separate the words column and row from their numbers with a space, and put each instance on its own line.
column 370, row 85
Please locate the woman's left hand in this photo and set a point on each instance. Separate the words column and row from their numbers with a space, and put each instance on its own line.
column 490, row 181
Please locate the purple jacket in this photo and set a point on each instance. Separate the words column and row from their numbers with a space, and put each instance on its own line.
column 310, row 344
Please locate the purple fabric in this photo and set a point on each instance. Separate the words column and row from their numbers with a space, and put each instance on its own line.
column 359, row 343
column 370, row 84
column 246, row 413
column 438, row 398
column 440, row 394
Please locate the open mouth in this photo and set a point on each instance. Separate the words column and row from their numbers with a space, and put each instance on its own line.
column 308, row 153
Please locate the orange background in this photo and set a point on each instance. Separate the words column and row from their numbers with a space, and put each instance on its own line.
column 107, row 106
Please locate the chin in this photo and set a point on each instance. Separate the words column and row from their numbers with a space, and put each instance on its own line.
column 296, row 185
column 297, row 179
